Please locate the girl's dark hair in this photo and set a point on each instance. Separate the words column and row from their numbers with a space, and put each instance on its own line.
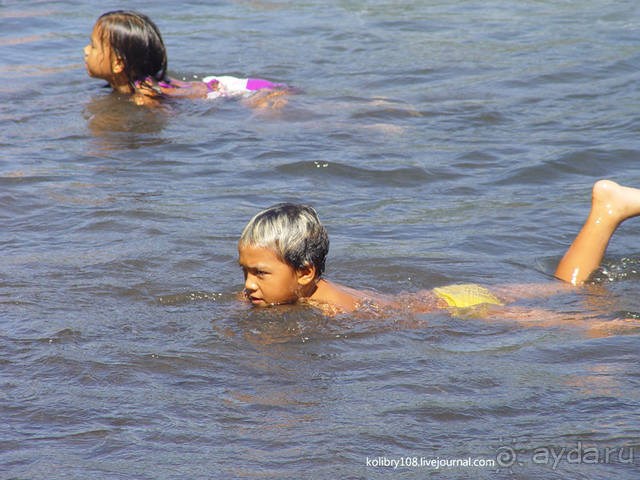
column 136, row 40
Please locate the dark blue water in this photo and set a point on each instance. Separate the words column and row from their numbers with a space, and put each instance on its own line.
column 439, row 141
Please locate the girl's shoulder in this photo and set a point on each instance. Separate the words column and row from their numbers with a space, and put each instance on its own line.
column 171, row 87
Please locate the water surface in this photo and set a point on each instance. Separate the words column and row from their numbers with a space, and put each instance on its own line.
column 440, row 142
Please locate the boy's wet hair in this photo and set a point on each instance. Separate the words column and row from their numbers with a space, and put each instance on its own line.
column 136, row 40
column 294, row 232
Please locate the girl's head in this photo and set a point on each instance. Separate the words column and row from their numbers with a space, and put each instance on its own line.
column 282, row 253
column 126, row 47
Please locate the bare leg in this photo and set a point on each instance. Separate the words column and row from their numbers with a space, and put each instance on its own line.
column 268, row 99
column 611, row 204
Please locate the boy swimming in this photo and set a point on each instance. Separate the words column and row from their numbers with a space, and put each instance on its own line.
column 282, row 252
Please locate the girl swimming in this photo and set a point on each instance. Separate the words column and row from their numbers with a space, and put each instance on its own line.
column 127, row 51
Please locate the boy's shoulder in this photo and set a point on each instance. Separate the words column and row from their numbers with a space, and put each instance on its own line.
column 336, row 296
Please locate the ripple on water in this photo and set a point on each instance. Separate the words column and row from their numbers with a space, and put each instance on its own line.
column 335, row 171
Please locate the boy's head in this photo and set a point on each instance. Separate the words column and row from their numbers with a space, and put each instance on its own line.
column 282, row 252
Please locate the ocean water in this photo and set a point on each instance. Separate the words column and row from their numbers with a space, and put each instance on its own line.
column 440, row 142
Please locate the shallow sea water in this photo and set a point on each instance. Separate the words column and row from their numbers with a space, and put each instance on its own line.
column 440, row 142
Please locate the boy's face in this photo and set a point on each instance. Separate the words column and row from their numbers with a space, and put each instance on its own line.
column 268, row 280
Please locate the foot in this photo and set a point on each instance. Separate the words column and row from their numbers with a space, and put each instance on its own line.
column 614, row 202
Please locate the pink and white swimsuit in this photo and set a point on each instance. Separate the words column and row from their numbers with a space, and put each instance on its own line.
column 226, row 86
